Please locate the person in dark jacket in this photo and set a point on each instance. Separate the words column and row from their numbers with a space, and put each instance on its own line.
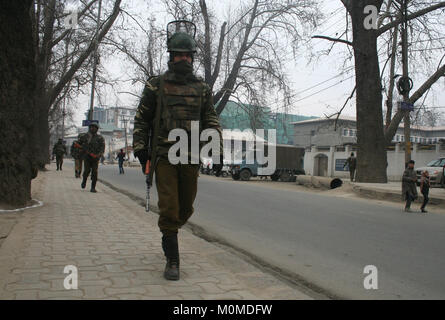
column 351, row 162
column 409, row 190
column 425, row 189
column 121, row 158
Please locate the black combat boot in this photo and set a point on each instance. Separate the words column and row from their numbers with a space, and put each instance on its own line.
column 171, row 251
column 84, row 183
column 93, row 186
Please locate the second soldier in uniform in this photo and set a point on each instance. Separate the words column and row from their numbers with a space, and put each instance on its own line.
column 59, row 150
column 183, row 99
column 93, row 146
column 76, row 153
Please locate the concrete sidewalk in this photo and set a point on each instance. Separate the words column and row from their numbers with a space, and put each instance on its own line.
column 115, row 245
column 392, row 191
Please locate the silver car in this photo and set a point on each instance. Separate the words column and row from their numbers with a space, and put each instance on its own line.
column 436, row 171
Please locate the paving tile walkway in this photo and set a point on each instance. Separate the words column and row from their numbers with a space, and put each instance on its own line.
column 115, row 246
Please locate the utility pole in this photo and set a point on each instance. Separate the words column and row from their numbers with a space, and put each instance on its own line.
column 405, row 81
column 63, row 119
column 124, row 120
column 95, row 58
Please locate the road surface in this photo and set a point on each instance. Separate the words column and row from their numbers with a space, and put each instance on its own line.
column 326, row 240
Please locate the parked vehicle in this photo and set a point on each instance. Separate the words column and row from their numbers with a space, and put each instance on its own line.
column 289, row 163
column 436, row 171
column 207, row 167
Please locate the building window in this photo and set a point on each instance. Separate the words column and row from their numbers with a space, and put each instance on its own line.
column 402, row 138
column 345, row 132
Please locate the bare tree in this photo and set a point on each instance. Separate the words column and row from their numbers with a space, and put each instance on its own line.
column 372, row 138
column 17, row 119
column 53, row 75
column 241, row 58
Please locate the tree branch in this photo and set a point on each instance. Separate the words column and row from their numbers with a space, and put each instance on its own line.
column 70, row 73
column 217, row 68
column 392, row 128
column 427, row 84
column 333, row 39
column 64, row 34
column 411, row 16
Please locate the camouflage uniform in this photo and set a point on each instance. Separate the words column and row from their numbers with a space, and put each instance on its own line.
column 93, row 146
column 186, row 99
column 59, row 150
column 76, row 153
column 182, row 98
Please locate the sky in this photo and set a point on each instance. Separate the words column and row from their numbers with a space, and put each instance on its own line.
column 321, row 86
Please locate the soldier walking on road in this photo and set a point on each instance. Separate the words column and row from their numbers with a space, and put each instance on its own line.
column 93, row 146
column 59, row 150
column 76, row 153
column 170, row 101
column 351, row 162
column 409, row 190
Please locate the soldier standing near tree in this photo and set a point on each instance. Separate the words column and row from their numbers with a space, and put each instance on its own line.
column 93, row 146
column 170, row 101
column 351, row 162
column 59, row 150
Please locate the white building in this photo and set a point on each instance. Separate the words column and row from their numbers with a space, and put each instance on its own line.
column 329, row 144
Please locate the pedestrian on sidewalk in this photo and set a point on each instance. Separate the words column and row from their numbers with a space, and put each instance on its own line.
column 177, row 97
column 76, row 153
column 59, row 150
column 93, row 145
column 409, row 190
column 121, row 157
column 351, row 162
column 425, row 189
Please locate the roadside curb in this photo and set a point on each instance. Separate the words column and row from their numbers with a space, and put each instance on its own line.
column 285, row 276
column 384, row 194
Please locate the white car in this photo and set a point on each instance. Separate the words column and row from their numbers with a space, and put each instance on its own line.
column 435, row 169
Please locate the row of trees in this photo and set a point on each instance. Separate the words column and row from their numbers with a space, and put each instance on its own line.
column 242, row 58
column 42, row 63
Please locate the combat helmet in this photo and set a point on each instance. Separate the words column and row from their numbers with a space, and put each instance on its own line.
column 181, row 36
column 94, row 124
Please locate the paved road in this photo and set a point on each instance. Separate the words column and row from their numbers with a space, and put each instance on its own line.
column 326, row 240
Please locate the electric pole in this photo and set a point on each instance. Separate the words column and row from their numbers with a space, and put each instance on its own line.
column 124, row 120
column 405, row 82
column 63, row 119
column 95, row 58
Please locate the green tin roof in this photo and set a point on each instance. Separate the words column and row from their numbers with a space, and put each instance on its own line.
column 236, row 116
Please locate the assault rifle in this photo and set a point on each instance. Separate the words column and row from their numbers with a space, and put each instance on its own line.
column 148, row 172
column 152, row 146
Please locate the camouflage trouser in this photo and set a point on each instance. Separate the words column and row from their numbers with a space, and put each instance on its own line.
column 78, row 166
column 59, row 162
column 177, row 187
column 90, row 165
column 352, row 174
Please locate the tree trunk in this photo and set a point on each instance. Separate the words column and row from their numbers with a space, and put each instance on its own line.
column 17, row 86
column 371, row 155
